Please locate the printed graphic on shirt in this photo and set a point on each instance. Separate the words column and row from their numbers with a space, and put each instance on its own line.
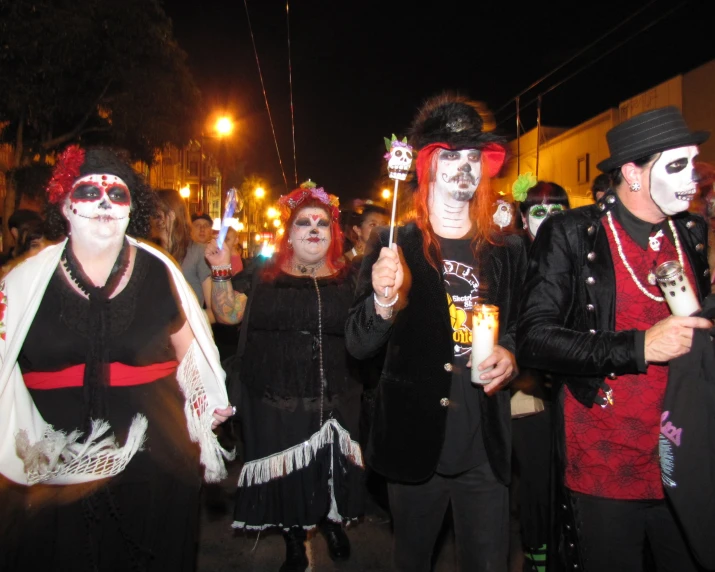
column 462, row 286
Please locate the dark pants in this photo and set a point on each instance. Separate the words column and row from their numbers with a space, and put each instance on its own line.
column 480, row 506
column 612, row 535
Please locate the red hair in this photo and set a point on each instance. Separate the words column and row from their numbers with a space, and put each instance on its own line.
column 334, row 256
column 481, row 209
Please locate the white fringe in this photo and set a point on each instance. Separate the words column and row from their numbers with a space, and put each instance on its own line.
column 60, row 455
column 299, row 456
column 199, row 418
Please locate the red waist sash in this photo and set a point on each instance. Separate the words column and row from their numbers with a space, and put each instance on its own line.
column 120, row 375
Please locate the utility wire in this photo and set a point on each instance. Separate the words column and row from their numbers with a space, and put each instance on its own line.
column 290, row 85
column 600, row 57
column 576, row 55
column 265, row 97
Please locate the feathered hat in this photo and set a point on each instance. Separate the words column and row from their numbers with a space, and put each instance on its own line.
column 452, row 121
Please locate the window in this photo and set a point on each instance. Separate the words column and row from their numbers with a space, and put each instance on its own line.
column 193, row 168
column 582, row 168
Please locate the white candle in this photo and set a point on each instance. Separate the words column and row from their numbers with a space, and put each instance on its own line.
column 485, row 332
column 676, row 289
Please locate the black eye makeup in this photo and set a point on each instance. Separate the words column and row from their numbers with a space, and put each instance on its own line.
column 86, row 193
column 676, row 166
column 118, row 195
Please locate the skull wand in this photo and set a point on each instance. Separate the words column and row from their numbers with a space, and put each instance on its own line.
column 399, row 160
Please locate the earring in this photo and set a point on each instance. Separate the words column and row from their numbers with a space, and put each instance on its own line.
column 290, row 241
column 635, row 187
column 525, row 226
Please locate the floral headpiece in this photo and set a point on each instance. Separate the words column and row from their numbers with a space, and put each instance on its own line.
column 308, row 190
column 521, row 186
column 65, row 173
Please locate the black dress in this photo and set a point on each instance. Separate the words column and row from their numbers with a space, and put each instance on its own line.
column 146, row 518
column 299, row 470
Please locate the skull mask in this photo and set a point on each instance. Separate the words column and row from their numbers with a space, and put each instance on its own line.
column 503, row 215
column 400, row 160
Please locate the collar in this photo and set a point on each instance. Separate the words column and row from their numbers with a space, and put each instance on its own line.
column 639, row 230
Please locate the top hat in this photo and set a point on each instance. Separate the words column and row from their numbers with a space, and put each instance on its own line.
column 453, row 120
column 648, row 133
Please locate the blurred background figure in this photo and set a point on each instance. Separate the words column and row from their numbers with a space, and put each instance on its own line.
column 172, row 230
column 234, row 246
column 362, row 224
column 299, row 401
column 503, row 214
column 542, row 200
column 21, row 224
column 704, row 204
column 600, row 186
column 531, row 421
column 201, row 228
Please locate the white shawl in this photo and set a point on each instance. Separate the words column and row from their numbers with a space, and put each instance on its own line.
column 31, row 451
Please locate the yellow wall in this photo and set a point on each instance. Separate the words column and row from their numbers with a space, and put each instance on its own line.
column 699, row 106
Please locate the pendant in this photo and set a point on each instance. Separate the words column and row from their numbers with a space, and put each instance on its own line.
column 651, row 278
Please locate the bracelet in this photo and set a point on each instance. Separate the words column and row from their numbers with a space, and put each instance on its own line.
column 221, row 273
column 390, row 305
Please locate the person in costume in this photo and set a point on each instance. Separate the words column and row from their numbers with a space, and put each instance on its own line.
column 435, row 436
column 592, row 316
column 299, row 400
column 109, row 379
column 531, row 400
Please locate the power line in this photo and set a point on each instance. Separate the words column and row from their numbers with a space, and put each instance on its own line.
column 290, row 86
column 265, row 97
column 576, row 55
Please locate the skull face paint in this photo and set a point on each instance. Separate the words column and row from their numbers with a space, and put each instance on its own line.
column 97, row 208
column 673, row 180
column 538, row 214
column 310, row 235
column 458, row 173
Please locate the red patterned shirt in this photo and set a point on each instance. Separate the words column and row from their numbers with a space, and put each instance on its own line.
column 612, row 452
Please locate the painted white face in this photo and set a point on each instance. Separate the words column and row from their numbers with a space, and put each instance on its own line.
column 458, row 173
column 673, row 179
column 538, row 214
column 97, row 208
column 503, row 215
column 310, row 235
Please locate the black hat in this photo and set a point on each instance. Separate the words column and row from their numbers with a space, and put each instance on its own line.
column 204, row 216
column 648, row 133
column 451, row 119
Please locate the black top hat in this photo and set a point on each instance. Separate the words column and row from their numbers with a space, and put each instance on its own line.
column 453, row 120
column 648, row 133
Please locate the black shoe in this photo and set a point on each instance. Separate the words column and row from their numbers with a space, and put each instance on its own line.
column 338, row 543
column 296, row 559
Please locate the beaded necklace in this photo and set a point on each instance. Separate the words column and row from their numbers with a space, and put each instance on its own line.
column 308, row 269
column 628, row 266
column 323, row 381
column 78, row 276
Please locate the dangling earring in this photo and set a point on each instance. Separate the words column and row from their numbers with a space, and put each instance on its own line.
column 635, row 187
column 524, row 226
column 290, row 244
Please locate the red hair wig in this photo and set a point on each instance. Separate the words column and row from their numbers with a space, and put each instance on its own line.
column 481, row 207
column 334, row 256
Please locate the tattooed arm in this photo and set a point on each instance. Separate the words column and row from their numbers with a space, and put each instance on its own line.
column 228, row 305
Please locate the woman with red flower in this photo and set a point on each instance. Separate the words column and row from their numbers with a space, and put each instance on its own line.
column 108, row 379
column 299, row 400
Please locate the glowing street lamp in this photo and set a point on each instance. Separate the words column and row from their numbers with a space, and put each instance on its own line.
column 224, row 126
column 272, row 213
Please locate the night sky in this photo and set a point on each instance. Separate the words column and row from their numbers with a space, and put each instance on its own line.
column 360, row 70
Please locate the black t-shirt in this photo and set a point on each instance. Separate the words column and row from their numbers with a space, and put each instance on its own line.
column 463, row 446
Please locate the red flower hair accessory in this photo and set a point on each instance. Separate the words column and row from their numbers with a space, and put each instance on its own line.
column 288, row 203
column 65, row 173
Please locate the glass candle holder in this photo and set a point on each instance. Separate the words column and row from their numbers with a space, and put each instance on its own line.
column 676, row 288
column 485, row 333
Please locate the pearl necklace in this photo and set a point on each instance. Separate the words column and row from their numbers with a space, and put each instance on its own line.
column 628, row 266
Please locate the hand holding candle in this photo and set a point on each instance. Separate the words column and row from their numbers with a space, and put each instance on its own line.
column 485, row 333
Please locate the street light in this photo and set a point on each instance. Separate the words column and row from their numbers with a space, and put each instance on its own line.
column 223, row 127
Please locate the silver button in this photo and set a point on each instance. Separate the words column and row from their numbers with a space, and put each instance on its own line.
column 610, row 199
column 448, row 367
column 602, row 206
column 590, row 307
column 591, row 256
column 611, row 376
column 590, row 280
column 699, row 247
column 592, row 331
column 690, row 224
column 591, row 229
column 706, row 272
column 444, row 402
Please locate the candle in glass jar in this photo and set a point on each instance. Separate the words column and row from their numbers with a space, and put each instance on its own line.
column 485, row 332
column 676, row 288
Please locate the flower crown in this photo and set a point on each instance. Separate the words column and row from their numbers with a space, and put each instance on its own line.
column 308, row 190
column 65, row 173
